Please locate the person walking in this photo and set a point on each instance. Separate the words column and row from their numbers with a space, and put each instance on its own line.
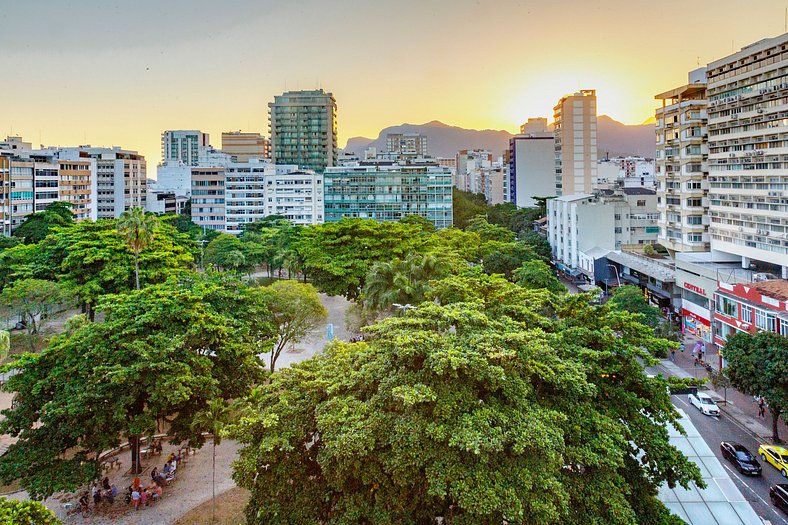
column 761, row 407
column 673, row 354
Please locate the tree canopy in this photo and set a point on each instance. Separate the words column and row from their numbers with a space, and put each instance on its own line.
column 37, row 226
column 497, row 404
column 758, row 366
column 161, row 352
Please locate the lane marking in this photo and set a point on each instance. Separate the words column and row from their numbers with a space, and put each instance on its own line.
column 768, row 504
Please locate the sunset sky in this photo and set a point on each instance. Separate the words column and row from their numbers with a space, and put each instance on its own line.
column 118, row 73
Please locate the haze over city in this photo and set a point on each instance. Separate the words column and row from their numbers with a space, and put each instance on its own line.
column 117, row 73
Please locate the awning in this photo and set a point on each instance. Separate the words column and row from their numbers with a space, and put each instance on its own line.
column 575, row 273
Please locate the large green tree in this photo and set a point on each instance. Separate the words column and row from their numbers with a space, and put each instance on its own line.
column 37, row 226
column 466, row 206
column 337, row 256
column 160, row 354
column 93, row 260
column 536, row 274
column 137, row 227
column 402, row 281
column 758, row 366
column 227, row 252
column 296, row 311
column 32, row 300
column 506, row 406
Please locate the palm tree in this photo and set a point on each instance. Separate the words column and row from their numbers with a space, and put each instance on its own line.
column 403, row 281
column 138, row 228
column 213, row 419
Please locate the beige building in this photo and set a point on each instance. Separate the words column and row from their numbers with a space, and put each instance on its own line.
column 575, row 143
column 682, row 166
column 243, row 146
column 208, row 194
column 75, row 186
column 17, row 192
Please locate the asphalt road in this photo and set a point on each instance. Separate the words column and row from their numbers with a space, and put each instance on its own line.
column 723, row 428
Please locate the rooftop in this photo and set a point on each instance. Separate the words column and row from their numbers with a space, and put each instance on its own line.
column 638, row 191
column 776, row 289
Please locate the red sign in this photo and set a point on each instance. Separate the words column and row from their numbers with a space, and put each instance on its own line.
column 687, row 313
column 693, row 288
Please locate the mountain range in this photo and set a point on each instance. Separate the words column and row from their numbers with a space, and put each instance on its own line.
column 443, row 140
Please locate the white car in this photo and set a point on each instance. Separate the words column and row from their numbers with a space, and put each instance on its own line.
column 704, row 403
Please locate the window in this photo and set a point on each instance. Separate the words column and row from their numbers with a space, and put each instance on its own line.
column 641, row 202
column 746, row 314
column 726, row 306
column 765, row 321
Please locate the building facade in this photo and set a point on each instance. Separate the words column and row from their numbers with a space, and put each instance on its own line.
column 242, row 147
column 748, row 144
column 209, row 198
column 575, row 143
column 389, row 193
column 407, row 146
column 750, row 307
column 303, row 129
column 682, row 166
column 531, row 167
column 473, row 168
column 187, row 146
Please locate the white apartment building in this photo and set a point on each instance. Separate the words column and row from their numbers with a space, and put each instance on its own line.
column 748, row 153
column 625, row 172
column 473, row 167
column 407, row 145
column 575, row 143
column 496, row 184
column 531, row 164
column 187, row 146
column 682, row 166
column 578, row 224
column 297, row 195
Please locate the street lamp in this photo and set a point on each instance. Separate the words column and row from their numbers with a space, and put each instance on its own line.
column 403, row 307
column 617, row 276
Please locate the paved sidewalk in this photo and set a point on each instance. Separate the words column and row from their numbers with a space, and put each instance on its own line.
column 741, row 407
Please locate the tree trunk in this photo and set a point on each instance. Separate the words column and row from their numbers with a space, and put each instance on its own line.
column 91, row 312
column 134, row 443
column 213, row 484
column 775, row 419
column 137, row 268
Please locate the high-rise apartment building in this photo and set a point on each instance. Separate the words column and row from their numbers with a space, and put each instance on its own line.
column 187, row 146
column 575, row 143
column 682, row 167
column 748, row 142
column 242, row 147
column 407, row 145
column 531, row 163
column 303, row 129
column 389, row 193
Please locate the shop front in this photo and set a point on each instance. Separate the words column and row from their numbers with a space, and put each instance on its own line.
column 696, row 325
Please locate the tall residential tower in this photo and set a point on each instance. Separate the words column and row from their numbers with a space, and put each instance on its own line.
column 575, row 143
column 303, row 129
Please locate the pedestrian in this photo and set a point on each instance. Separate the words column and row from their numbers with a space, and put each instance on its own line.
column 761, row 408
column 673, row 354
column 681, row 347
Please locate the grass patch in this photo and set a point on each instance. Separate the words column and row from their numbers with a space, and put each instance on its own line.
column 229, row 510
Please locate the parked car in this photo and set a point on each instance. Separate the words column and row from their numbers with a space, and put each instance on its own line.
column 777, row 456
column 779, row 496
column 741, row 457
column 704, row 403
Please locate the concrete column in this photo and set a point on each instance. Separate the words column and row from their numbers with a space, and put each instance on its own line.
column 745, row 263
column 785, row 272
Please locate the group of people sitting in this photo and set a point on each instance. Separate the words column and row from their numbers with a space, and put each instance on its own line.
column 145, row 496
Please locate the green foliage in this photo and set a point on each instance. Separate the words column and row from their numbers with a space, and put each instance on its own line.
column 15, row 512
column 426, row 225
column 536, row 274
column 227, row 252
column 505, row 257
column 37, row 226
column 402, row 281
column 758, row 366
column 630, row 298
column 5, row 344
column 518, row 220
column 270, row 242
column 296, row 311
column 466, row 206
column 137, row 227
column 337, row 256
column 164, row 351
column 32, row 300
column 539, row 244
column 480, row 411
column 489, row 232
column 649, row 250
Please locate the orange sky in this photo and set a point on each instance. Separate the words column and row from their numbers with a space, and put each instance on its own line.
column 118, row 73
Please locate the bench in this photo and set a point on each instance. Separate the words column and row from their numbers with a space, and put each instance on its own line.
column 110, row 464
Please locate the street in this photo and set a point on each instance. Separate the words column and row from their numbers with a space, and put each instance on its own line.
column 717, row 429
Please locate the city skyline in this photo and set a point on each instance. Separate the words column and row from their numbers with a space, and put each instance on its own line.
column 109, row 74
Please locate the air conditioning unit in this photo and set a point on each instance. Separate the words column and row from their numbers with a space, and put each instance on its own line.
column 760, row 111
column 775, row 194
column 732, row 155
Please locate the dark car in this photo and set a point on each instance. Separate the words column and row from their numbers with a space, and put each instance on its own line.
column 741, row 457
column 779, row 496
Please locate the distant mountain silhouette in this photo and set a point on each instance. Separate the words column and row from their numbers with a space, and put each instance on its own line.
column 613, row 138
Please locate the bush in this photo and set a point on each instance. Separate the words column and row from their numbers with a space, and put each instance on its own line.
column 26, row 513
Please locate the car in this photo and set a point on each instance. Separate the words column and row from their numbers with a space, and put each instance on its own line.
column 704, row 403
column 777, row 456
column 741, row 457
column 779, row 496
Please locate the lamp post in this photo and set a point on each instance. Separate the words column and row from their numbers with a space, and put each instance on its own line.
column 403, row 307
column 618, row 278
